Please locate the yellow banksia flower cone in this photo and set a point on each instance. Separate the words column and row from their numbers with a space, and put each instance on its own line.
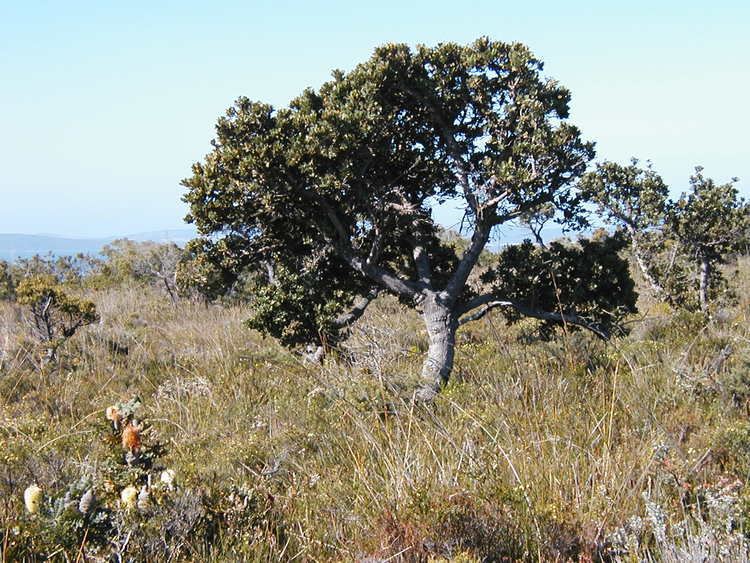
column 129, row 496
column 32, row 498
column 113, row 415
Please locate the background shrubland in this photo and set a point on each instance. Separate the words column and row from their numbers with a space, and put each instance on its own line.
column 563, row 448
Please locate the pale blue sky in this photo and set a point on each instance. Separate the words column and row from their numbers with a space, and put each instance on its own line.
column 104, row 105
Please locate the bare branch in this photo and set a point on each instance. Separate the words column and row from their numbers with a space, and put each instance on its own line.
column 565, row 318
column 374, row 255
column 350, row 317
column 495, row 201
column 447, row 132
column 376, row 273
column 380, row 275
column 644, row 266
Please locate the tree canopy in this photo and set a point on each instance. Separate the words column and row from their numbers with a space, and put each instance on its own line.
column 330, row 198
column 635, row 201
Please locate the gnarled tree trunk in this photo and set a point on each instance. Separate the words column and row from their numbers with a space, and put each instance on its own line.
column 442, row 324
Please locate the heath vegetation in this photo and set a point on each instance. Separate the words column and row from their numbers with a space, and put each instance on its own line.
column 327, row 374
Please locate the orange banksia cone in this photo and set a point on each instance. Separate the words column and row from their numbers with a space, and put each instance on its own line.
column 131, row 438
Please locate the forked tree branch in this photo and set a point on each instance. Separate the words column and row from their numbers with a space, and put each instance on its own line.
column 342, row 244
column 386, row 279
column 468, row 261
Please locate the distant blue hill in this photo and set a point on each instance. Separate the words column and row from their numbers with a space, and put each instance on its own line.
column 13, row 246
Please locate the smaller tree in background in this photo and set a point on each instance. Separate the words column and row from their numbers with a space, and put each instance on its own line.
column 157, row 264
column 152, row 263
column 55, row 316
column 634, row 200
column 676, row 245
column 709, row 223
column 213, row 270
column 536, row 221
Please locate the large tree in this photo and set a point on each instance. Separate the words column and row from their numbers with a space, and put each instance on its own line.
column 330, row 199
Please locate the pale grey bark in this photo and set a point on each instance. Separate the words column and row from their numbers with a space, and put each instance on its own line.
column 643, row 265
column 468, row 261
column 705, row 280
column 442, row 324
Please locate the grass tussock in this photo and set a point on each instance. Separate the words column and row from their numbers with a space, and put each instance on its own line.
column 569, row 449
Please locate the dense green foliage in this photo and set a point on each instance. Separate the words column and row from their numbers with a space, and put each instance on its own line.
column 710, row 220
column 7, row 287
column 588, row 279
column 285, row 310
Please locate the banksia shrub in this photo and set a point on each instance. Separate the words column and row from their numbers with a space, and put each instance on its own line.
column 54, row 316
